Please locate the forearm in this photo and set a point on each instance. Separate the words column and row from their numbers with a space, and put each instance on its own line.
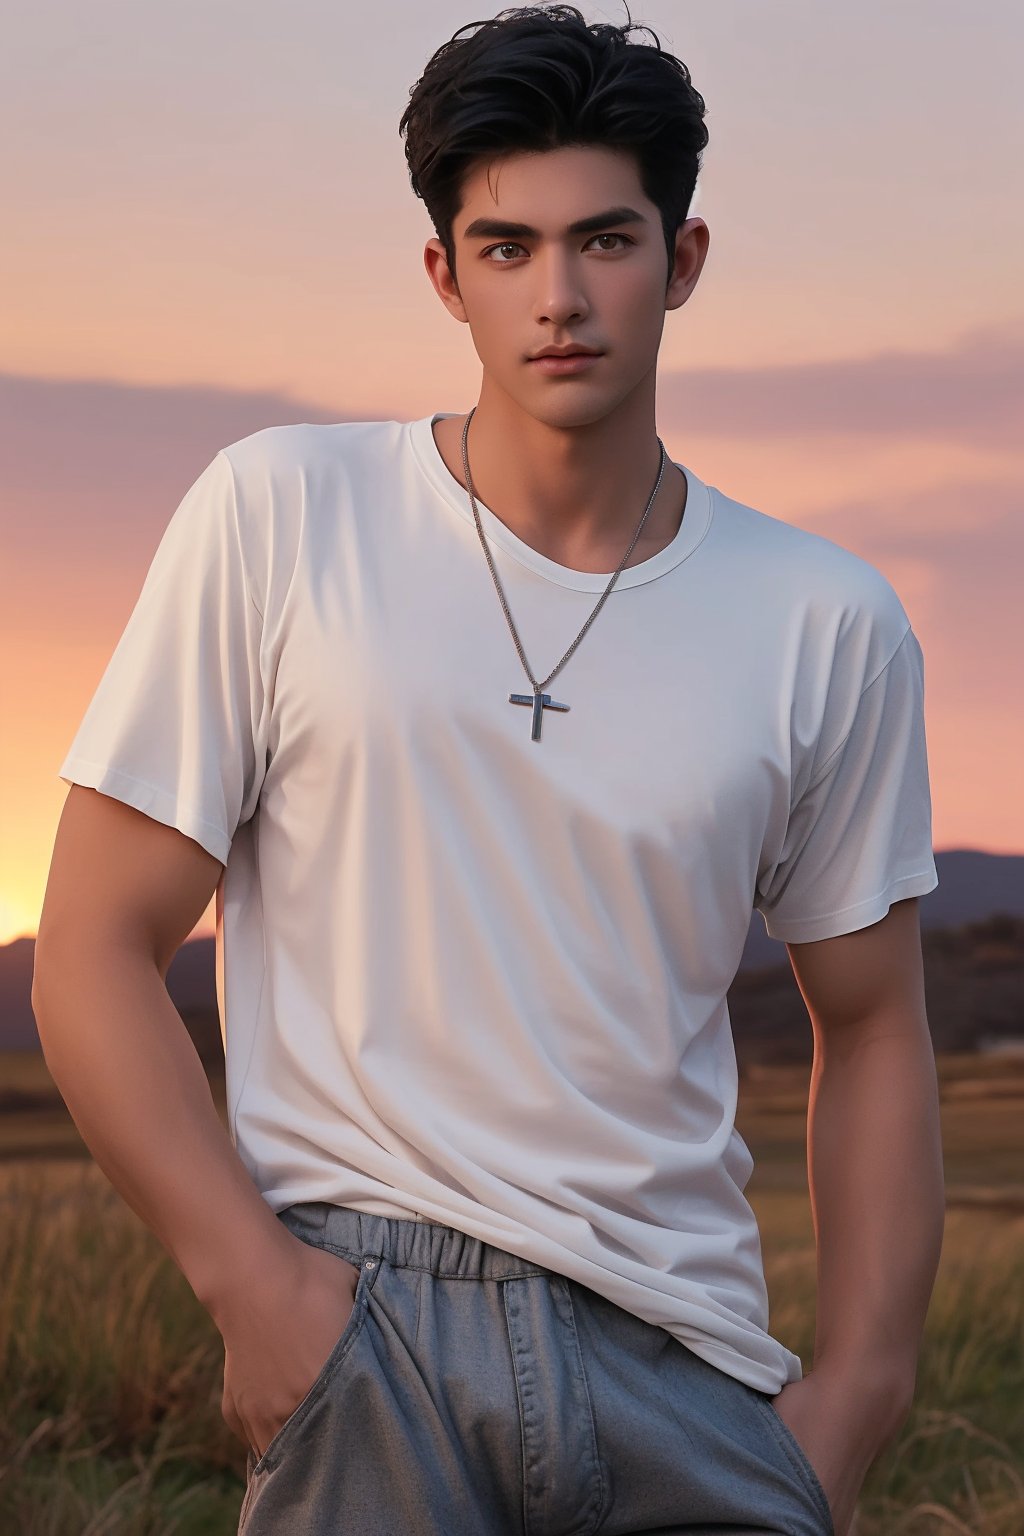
column 877, row 1196
column 122, row 1058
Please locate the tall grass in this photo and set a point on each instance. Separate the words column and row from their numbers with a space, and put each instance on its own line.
column 110, row 1419
column 958, row 1464
column 110, row 1415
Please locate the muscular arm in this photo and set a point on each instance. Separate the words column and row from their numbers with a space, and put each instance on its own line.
column 123, row 893
column 874, row 1150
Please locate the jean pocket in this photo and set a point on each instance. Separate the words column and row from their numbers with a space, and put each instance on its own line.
column 340, row 1353
column 800, row 1456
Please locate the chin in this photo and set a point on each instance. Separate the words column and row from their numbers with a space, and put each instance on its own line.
column 575, row 413
column 569, row 402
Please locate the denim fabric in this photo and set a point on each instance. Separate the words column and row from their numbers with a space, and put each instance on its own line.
column 473, row 1393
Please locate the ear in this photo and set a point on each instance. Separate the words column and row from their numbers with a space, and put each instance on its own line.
column 445, row 286
column 692, row 239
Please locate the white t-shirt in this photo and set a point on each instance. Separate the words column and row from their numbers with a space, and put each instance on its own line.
column 476, row 978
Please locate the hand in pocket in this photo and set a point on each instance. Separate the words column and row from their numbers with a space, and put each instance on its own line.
column 840, row 1425
column 278, row 1335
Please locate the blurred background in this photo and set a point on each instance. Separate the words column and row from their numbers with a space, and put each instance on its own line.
column 210, row 229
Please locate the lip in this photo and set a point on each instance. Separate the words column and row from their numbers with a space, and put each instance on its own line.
column 574, row 362
column 573, row 349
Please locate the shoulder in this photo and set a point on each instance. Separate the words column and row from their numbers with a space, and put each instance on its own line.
column 837, row 598
column 278, row 455
column 288, row 483
column 284, row 477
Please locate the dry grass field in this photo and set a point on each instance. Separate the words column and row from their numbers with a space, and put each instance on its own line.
column 110, row 1420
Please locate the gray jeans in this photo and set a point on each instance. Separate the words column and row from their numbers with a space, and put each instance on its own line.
column 473, row 1393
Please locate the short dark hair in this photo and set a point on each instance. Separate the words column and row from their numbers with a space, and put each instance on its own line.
column 539, row 78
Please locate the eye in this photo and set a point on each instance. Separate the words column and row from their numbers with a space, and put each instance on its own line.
column 509, row 245
column 611, row 236
column 513, row 245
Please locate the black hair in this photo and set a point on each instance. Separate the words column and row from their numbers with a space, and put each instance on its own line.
column 539, row 78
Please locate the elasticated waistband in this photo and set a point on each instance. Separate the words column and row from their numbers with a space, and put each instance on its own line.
column 410, row 1243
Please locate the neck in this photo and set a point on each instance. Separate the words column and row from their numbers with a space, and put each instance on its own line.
column 575, row 494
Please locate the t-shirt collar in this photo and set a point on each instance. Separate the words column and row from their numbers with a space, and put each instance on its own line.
column 692, row 530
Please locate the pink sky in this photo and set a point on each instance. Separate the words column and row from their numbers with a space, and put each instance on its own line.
column 215, row 231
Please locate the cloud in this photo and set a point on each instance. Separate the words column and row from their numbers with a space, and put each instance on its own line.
column 81, row 456
column 90, row 472
column 91, row 464
column 972, row 393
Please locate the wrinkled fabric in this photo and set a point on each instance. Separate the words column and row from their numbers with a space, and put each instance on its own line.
column 468, row 973
column 473, row 1391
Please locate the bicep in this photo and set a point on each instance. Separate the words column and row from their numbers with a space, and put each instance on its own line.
column 861, row 976
column 118, row 875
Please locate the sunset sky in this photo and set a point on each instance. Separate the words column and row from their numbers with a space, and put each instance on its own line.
column 210, row 229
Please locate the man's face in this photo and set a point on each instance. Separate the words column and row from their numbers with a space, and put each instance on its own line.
column 603, row 288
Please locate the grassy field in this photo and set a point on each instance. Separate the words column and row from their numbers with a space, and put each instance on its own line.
column 110, row 1419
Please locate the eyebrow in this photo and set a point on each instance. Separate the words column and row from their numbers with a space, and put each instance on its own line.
column 499, row 229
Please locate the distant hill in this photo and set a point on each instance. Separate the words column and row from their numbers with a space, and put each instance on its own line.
column 972, row 928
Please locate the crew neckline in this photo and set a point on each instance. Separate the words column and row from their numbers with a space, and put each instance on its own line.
column 693, row 528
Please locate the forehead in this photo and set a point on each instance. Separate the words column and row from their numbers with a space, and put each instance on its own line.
column 552, row 186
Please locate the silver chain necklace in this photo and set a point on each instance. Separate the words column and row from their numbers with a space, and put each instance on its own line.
column 539, row 699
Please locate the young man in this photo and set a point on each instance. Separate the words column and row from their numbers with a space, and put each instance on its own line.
column 500, row 725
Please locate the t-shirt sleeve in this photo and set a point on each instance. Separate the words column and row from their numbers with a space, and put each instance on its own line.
column 859, row 836
column 177, row 726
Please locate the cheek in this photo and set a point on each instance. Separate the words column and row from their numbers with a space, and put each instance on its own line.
column 494, row 320
column 631, row 302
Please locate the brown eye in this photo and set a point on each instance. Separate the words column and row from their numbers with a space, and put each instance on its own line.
column 611, row 236
column 513, row 245
column 508, row 245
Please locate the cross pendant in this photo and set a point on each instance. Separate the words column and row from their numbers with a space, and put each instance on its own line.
column 540, row 702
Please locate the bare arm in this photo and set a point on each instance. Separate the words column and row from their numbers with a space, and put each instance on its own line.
column 123, row 893
column 877, row 1197
column 874, row 1147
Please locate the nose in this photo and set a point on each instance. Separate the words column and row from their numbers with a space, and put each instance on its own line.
column 560, row 292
